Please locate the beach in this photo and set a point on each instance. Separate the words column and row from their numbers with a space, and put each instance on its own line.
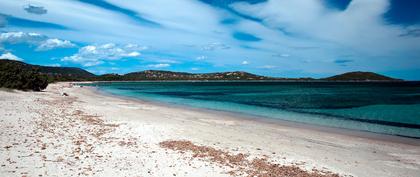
column 88, row 133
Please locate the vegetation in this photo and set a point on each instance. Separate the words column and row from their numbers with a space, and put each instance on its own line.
column 237, row 75
column 110, row 77
column 360, row 76
column 168, row 75
column 18, row 75
column 65, row 73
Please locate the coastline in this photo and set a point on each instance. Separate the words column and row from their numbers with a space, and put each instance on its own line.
column 281, row 141
column 237, row 116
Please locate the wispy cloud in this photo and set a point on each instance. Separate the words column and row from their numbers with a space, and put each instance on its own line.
column 12, row 21
column 21, row 37
column 42, row 41
column 92, row 55
column 360, row 26
column 159, row 65
column 268, row 67
column 219, row 33
column 55, row 43
column 202, row 57
column 215, row 46
column 129, row 13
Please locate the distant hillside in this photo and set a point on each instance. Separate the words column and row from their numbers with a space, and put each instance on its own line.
column 360, row 76
column 54, row 73
column 66, row 73
column 19, row 75
column 109, row 77
column 169, row 75
column 77, row 74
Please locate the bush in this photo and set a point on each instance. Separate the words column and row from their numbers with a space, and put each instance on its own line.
column 17, row 75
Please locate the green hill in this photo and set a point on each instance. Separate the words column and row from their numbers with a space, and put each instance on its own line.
column 19, row 75
column 65, row 73
column 55, row 73
column 169, row 75
column 360, row 76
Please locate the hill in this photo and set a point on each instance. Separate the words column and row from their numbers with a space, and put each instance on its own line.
column 360, row 76
column 19, row 75
column 54, row 73
column 169, row 75
column 76, row 74
column 66, row 73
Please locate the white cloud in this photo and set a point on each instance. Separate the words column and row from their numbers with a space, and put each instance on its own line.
column 42, row 41
column 55, row 43
column 133, row 54
column 204, row 17
column 160, row 65
column 169, row 39
column 201, row 57
column 359, row 30
column 10, row 56
column 361, row 26
column 245, row 62
column 195, row 69
column 268, row 67
column 134, row 47
column 215, row 46
column 21, row 37
column 92, row 55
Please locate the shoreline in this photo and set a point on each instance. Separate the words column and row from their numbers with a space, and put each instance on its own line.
column 88, row 133
column 286, row 81
column 237, row 116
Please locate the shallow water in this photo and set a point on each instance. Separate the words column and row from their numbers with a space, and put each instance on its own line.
column 388, row 108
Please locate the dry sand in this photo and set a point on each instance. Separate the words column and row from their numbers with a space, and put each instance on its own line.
column 87, row 133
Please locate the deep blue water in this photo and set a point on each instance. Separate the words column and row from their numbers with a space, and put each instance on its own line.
column 388, row 108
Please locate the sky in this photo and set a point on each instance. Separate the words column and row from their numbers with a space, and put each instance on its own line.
column 282, row 38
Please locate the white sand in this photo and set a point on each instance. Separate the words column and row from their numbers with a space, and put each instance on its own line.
column 44, row 133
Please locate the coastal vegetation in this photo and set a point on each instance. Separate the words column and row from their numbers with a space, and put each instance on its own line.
column 360, row 76
column 18, row 75
column 23, row 76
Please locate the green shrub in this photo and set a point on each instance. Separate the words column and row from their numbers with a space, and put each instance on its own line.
column 18, row 75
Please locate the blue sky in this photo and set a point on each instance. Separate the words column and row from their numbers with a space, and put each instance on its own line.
column 286, row 38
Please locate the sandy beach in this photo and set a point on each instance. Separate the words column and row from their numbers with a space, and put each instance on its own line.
column 91, row 134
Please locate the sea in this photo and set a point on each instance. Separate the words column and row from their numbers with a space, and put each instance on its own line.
column 391, row 108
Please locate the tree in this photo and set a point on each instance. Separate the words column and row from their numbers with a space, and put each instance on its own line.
column 18, row 75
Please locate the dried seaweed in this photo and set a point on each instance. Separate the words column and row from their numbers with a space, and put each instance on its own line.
column 241, row 164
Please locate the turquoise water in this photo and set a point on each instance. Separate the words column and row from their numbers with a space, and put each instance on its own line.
column 387, row 108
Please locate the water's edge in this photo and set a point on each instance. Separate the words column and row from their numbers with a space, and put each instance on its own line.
column 270, row 121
